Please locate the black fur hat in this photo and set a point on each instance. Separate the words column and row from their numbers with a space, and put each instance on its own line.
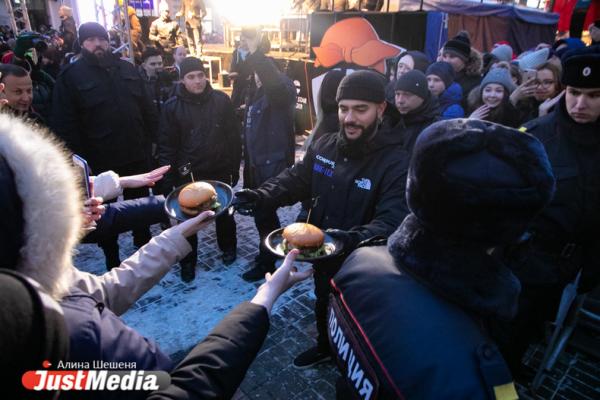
column 581, row 67
column 477, row 180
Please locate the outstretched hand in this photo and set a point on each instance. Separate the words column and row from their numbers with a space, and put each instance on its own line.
column 193, row 225
column 286, row 276
column 143, row 180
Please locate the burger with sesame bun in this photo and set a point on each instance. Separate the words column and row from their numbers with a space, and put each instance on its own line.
column 305, row 237
column 197, row 197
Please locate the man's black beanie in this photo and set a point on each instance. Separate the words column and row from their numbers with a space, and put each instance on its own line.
column 92, row 29
column 413, row 82
column 362, row 85
column 190, row 64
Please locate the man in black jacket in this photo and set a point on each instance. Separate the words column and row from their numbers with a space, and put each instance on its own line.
column 358, row 178
column 269, row 140
column 417, row 107
column 565, row 237
column 102, row 112
column 198, row 126
column 159, row 83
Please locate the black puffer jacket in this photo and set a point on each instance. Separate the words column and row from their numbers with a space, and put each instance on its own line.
column 104, row 113
column 201, row 130
column 573, row 215
column 410, row 125
column 364, row 194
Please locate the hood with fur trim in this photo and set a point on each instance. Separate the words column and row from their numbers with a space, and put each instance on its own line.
column 474, row 64
column 51, row 201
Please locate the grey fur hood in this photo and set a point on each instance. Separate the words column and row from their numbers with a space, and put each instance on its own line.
column 51, row 203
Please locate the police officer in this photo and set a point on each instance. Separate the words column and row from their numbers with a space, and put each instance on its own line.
column 422, row 303
column 565, row 237
column 358, row 178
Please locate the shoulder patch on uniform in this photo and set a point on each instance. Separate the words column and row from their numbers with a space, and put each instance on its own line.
column 506, row 392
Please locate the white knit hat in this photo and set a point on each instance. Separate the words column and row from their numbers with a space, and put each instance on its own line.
column 534, row 59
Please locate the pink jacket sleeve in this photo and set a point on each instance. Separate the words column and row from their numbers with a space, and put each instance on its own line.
column 123, row 286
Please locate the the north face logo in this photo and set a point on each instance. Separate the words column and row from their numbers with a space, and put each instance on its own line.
column 363, row 183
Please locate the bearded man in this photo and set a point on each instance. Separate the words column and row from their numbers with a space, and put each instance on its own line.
column 102, row 113
column 358, row 178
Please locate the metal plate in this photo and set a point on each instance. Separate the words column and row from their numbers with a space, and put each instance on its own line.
column 333, row 247
column 224, row 197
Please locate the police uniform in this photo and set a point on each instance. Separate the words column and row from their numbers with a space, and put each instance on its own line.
column 565, row 237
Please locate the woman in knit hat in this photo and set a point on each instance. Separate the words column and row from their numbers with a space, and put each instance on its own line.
column 440, row 80
column 492, row 103
column 538, row 96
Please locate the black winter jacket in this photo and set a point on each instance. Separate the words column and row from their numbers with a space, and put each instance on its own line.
column 467, row 83
column 573, row 215
column 241, row 83
column 201, row 130
column 365, row 195
column 215, row 368
column 269, row 129
column 104, row 114
column 160, row 88
column 410, row 125
column 408, row 322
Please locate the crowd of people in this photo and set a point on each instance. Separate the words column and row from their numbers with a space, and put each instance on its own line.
column 479, row 172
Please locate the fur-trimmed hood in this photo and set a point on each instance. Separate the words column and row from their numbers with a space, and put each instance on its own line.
column 51, row 202
column 456, row 271
column 474, row 64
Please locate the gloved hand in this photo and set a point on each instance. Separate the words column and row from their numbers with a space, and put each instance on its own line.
column 349, row 239
column 246, row 201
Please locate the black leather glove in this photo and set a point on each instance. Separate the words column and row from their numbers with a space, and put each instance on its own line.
column 350, row 240
column 246, row 201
